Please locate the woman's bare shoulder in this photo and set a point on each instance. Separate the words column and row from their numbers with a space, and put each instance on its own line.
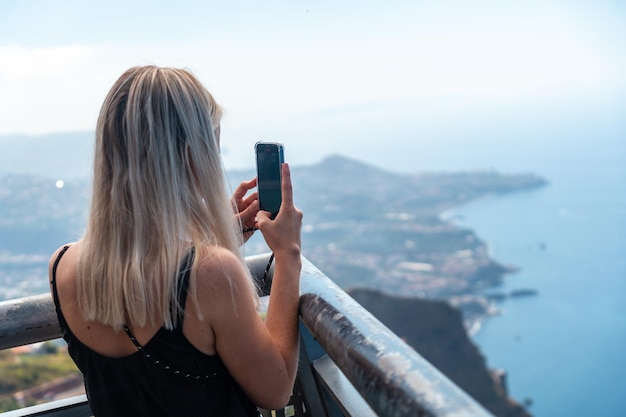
column 221, row 275
column 212, row 256
column 70, row 251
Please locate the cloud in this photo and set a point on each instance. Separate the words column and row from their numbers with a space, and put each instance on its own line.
column 19, row 62
column 306, row 63
column 38, row 83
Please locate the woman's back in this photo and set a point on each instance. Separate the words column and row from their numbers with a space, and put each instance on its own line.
column 160, row 373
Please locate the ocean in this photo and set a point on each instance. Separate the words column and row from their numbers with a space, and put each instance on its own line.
column 564, row 349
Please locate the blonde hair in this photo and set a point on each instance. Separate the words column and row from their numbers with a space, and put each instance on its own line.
column 158, row 191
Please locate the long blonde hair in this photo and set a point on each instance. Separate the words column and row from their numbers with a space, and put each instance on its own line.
column 158, row 191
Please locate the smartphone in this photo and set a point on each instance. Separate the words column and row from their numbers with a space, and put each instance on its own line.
column 269, row 158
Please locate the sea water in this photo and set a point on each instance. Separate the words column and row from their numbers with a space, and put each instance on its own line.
column 564, row 349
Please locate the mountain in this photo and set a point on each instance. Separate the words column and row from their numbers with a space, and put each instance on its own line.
column 341, row 188
column 368, row 227
column 363, row 226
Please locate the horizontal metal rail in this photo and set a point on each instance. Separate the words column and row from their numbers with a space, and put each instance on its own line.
column 69, row 407
column 382, row 370
column 33, row 319
column 394, row 379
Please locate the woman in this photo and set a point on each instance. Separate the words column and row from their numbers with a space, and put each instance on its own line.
column 155, row 302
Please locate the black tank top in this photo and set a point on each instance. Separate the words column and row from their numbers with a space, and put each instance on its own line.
column 167, row 376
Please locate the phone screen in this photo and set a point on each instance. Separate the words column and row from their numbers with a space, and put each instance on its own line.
column 269, row 157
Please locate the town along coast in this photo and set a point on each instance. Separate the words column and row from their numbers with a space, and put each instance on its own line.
column 365, row 227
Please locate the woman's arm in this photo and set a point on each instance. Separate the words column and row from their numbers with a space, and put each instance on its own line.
column 261, row 356
column 282, row 235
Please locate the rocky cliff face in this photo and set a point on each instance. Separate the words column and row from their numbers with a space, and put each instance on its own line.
column 435, row 330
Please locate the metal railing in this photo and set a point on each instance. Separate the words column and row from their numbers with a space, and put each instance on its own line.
column 350, row 363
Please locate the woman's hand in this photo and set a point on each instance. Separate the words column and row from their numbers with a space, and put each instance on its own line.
column 247, row 207
column 282, row 233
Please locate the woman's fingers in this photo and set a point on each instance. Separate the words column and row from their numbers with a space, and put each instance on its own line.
column 249, row 213
column 241, row 191
column 286, row 187
column 250, row 199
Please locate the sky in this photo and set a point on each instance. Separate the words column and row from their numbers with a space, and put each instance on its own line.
column 324, row 76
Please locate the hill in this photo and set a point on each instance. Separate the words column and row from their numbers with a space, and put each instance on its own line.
column 368, row 227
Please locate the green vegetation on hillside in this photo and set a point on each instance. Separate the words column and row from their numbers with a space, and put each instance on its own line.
column 23, row 371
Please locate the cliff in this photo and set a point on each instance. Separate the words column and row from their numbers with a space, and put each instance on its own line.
column 436, row 331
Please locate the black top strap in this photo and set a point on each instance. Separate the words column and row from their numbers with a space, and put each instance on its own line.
column 55, row 293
